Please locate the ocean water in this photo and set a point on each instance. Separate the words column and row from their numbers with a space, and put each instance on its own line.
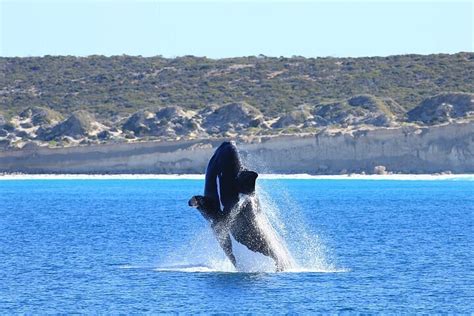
column 134, row 246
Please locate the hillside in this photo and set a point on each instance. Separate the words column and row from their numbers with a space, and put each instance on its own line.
column 114, row 86
column 68, row 101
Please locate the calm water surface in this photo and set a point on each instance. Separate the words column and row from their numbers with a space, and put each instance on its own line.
column 133, row 246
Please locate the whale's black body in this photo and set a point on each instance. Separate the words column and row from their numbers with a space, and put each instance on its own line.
column 226, row 179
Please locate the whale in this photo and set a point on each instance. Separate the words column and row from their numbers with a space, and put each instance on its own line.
column 231, row 206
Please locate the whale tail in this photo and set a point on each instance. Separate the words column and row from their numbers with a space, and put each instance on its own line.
column 246, row 181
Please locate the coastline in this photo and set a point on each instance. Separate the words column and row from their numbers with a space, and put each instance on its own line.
column 404, row 150
column 398, row 177
column 440, row 149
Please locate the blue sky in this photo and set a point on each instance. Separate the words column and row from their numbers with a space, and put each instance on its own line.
column 229, row 28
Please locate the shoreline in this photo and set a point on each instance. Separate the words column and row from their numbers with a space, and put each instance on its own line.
column 403, row 150
column 399, row 177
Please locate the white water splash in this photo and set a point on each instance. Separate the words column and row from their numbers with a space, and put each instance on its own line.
column 282, row 222
column 287, row 233
column 199, row 254
column 305, row 247
column 277, row 244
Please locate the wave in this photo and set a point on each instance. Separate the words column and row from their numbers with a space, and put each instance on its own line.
column 194, row 268
column 222, row 266
column 203, row 268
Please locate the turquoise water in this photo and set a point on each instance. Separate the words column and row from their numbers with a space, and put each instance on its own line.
column 134, row 246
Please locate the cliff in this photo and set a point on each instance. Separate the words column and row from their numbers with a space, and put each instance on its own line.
column 405, row 149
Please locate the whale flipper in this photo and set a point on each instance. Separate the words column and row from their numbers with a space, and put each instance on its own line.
column 207, row 206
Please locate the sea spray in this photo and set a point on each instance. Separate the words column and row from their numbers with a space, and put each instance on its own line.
column 276, row 243
column 199, row 254
column 280, row 220
column 286, row 217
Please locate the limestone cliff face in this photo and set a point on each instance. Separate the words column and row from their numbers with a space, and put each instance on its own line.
column 407, row 149
column 403, row 149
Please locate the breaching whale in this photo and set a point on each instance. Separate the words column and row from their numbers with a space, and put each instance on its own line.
column 221, row 205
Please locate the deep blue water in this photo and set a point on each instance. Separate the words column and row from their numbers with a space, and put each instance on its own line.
column 134, row 246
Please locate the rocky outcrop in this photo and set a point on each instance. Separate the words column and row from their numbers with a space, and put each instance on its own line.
column 361, row 109
column 380, row 170
column 104, row 135
column 406, row 149
column 45, row 127
column 7, row 133
column 40, row 116
column 231, row 117
column 293, row 118
column 172, row 121
column 23, row 127
column 138, row 123
column 169, row 121
column 443, row 108
column 79, row 125
column 374, row 104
